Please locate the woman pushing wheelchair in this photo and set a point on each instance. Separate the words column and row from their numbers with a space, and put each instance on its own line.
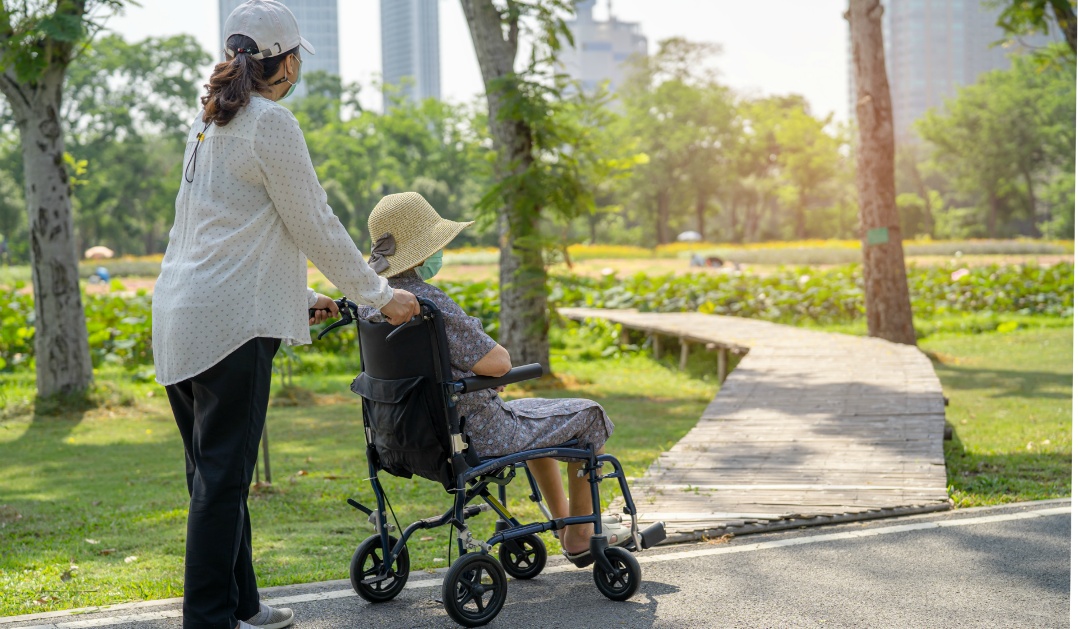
column 409, row 236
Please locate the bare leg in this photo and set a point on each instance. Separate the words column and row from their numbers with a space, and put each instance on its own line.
column 547, row 475
column 576, row 537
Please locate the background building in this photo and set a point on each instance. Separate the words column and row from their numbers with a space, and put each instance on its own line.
column 934, row 47
column 601, row 48
column 410, row 49
column 317, row 23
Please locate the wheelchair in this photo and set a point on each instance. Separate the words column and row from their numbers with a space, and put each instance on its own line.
column 412, row 428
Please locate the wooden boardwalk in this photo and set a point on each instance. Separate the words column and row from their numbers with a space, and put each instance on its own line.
column 811, row 427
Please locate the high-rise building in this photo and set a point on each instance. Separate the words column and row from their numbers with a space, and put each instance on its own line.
column 601, row 49
column 932, row 48
column 318, row 25
column 410, row 49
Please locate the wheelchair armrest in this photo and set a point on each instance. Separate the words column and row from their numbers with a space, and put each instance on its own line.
column 516, row 374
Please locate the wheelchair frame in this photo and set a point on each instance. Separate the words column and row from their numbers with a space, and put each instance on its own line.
column 471, row 577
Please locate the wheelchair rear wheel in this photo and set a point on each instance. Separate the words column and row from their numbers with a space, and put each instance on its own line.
column 367, row 562
column 523, row 557
column 474, row 589
column 624, row 581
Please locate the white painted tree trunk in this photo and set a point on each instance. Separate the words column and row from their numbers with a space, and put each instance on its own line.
column 60, row 339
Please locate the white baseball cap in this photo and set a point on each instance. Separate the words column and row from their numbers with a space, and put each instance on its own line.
column 270, row 24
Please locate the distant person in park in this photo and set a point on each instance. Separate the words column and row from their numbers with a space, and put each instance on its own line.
column 3, row 250
column 409, row 236
column 249, row 213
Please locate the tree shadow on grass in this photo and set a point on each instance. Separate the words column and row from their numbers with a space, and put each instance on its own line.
column 976, row 478
column 1008, row 383
column 54, row 418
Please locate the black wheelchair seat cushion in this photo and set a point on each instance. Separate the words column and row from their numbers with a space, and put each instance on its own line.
column 408, row 426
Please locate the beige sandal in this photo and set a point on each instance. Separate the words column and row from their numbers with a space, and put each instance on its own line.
column 617, row 534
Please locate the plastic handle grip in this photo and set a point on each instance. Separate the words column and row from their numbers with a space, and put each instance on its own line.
column 516, row 374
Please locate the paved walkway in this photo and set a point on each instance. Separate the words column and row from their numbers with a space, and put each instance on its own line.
column 811, row 427
column 1004, row 566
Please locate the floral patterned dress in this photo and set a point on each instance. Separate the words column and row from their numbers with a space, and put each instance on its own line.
column 493, row 426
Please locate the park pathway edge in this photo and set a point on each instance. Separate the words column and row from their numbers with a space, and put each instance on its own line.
column 811, row 428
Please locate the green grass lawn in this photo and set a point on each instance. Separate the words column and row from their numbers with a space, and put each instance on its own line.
column 93, row 503
column 1011, row 410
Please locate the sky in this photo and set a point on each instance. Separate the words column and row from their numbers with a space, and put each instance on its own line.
column 776, row 47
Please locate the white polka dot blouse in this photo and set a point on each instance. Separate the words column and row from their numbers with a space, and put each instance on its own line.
column 236, row 263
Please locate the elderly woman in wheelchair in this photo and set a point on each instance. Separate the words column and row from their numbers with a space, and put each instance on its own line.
column 431, row 408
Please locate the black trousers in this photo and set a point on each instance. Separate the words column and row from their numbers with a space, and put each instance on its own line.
column 220, row 414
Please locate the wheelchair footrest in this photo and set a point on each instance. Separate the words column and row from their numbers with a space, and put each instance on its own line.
column 653, row 535
column 357, row 505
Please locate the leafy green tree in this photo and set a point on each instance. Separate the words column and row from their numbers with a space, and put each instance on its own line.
column 129, row 107
column 325, row 101
column 12, row 203
column 38, row 41
column 686, row 124
column 1004, row 141
column 432, row 147
column 919, row 194
column 809, row 159
column 786, row 163
column 1024, row 17
column 752, row 199
column 543, row 156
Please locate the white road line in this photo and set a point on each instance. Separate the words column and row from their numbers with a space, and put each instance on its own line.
column 106, row 621
column 802, row 487
column 834, row 537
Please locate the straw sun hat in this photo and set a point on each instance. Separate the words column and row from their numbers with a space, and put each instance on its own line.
column 405, row 230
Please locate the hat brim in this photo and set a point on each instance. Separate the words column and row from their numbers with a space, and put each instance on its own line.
column 407, row 258
column 306, row 45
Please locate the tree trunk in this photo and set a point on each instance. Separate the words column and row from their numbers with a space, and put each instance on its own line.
column 993, row 212
column 1031, row 197
column 752, row 219
column 799, row 217
column 734, row 234
column 887, row 298
column 1067, row 22
column 523, row 320
column 662, row 217
column 701, row 209
column 930, row 220
column 62, row 353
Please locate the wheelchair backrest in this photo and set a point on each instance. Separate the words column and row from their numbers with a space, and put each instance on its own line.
column 405, row 405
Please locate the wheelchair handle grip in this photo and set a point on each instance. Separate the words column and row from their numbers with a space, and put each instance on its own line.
column 347, row 310
column 414, row 321
column 516, row 374
column 426, row 308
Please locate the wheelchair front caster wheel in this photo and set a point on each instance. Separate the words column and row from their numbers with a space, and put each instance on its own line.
column 474, row 589
column 523, row 557
column 621, row 584
column 367, row 563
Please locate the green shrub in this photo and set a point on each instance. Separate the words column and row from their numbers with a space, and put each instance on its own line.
column 969, row 300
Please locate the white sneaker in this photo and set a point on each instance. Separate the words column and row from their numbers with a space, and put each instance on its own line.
column 269, row 618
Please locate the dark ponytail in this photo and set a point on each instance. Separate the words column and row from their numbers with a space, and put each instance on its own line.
column 232, row 81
